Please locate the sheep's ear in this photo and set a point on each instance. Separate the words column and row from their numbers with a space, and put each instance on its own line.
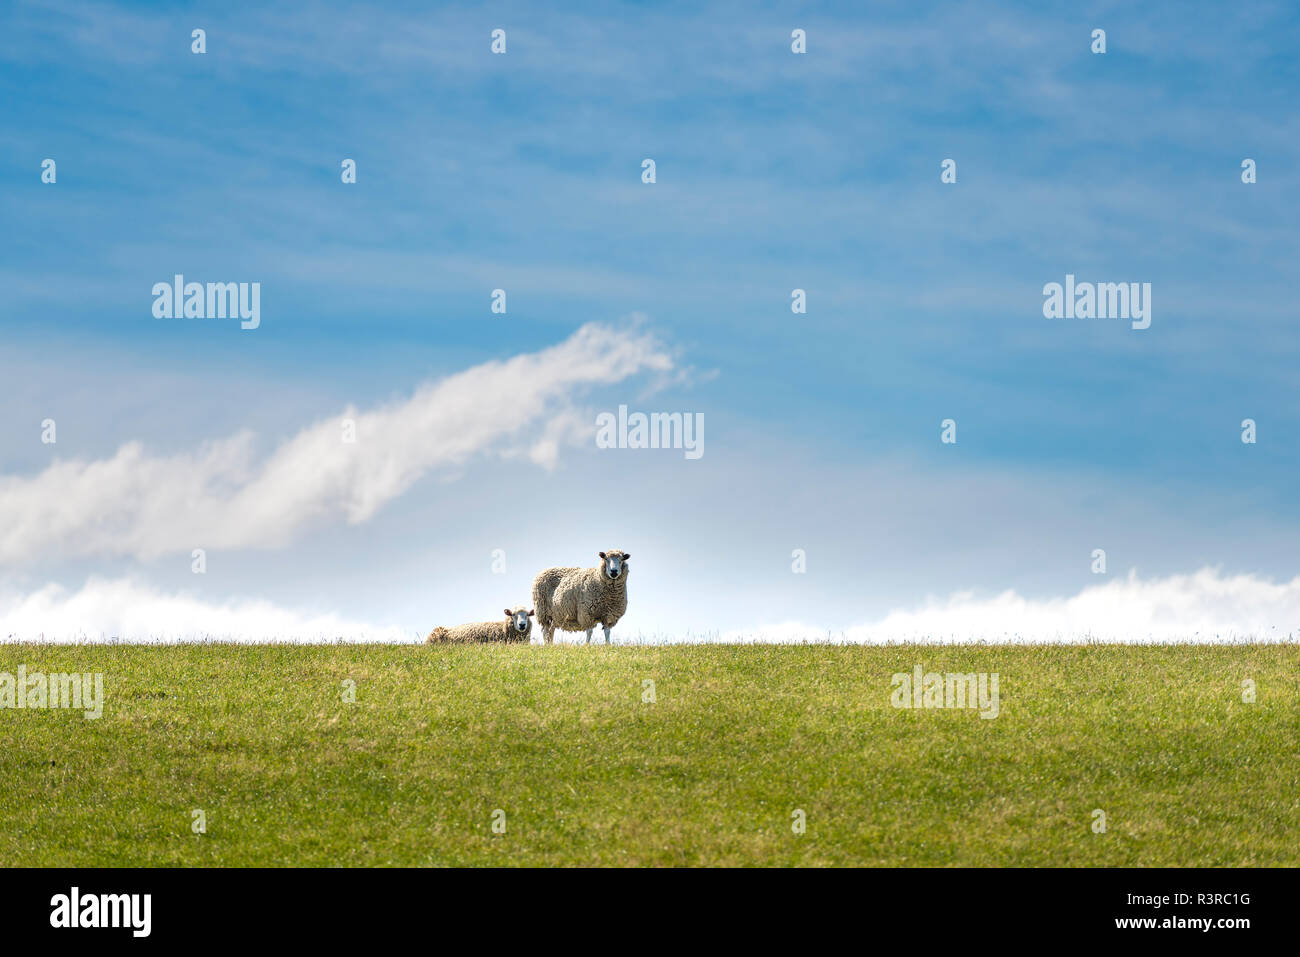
column 531, row 612
column 602, row 555
column 509, row 613
column 626, row 556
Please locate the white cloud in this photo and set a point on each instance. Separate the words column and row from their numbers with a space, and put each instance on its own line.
column 1205, row 606
column 122, row 609
column 222, row 495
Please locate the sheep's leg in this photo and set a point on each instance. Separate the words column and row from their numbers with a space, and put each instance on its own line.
column 549, row 633
column 589, row 631
column 606, row 627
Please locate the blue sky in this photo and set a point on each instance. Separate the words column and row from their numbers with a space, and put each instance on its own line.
column 775, row 171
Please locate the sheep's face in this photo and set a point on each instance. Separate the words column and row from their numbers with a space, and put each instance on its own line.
column 614, row 566
column 520, row 621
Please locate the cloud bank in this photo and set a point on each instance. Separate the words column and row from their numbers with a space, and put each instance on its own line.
column 125, row 610
column 1203, row 607
column 222, row 495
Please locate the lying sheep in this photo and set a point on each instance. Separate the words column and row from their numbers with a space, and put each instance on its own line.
column 579, row 599
column 517, row 626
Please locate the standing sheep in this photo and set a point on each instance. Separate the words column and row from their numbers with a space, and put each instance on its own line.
column 517, row 627
column 579, row 599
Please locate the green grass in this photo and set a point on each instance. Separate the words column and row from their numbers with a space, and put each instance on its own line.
column 559, row 739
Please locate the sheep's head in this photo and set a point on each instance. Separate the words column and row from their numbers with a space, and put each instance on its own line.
column 613, row 564
column 520, row 621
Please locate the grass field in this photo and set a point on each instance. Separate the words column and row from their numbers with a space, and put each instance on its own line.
column 559, row 738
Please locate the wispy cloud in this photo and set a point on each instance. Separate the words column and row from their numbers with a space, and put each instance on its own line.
column 222, row 495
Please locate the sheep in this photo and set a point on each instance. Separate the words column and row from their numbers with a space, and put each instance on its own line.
column 517, row 627
column 578, row 599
